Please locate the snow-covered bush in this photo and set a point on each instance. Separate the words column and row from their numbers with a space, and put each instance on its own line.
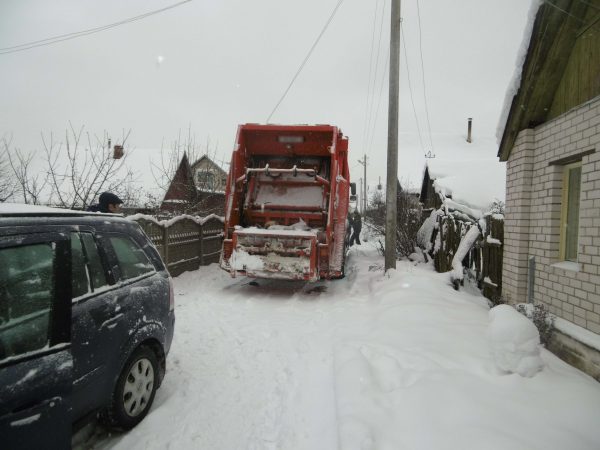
column 540, row 315
column 497, row 207
column 514, row 342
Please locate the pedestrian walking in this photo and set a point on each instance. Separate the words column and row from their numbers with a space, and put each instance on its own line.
column 356, row 224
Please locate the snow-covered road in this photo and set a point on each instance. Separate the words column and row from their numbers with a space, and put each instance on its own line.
column 368, row 362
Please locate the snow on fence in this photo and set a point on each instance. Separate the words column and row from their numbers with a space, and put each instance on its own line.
column 184, row 242
column 483, row 259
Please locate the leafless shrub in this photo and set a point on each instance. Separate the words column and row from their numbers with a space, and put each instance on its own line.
column 408, row 220
column 540, row 315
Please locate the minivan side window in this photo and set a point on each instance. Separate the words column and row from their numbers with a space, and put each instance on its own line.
column 97, row 273
column 88, row 274
column 80, row 281
column 27, row 287
column 133, row 262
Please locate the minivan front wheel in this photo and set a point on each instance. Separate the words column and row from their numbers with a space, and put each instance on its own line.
column 135, row 390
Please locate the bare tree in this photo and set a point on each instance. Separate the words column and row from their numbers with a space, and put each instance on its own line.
column 82, row 167
column 7, row 182
column 28, row 184
column 409, row 220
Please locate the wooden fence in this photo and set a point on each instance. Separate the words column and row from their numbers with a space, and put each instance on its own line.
column 185, row 242
column 484, row 260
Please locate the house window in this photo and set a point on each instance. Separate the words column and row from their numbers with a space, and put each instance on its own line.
column 205, row 180
column 569, row 230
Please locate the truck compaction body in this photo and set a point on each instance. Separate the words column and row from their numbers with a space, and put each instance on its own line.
column 287, row 200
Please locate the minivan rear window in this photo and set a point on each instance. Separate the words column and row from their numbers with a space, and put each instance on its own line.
column 133, row 262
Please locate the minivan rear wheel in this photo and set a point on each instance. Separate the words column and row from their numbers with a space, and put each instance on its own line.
column 135, row 390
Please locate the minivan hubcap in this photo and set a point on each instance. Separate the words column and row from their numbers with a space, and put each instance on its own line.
column 138, row 387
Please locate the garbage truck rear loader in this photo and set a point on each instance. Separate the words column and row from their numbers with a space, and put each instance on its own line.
column 287, row 200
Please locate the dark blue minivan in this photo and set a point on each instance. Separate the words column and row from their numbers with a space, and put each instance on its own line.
column 86, row 322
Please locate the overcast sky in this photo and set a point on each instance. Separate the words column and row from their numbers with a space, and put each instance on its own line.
column 213, row 64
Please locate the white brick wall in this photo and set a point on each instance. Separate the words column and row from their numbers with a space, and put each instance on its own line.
column 532, row 219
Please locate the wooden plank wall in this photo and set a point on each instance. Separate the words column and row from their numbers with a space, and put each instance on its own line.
column 581, row 79
column 484, row 260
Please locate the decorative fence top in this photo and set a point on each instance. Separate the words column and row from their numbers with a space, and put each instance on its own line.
column 174, row 220
column 184, row 242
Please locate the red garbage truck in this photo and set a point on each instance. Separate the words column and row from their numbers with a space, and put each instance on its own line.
column 287, row 199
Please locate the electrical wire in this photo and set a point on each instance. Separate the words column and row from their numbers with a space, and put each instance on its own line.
column 367, row 108
column 339, row 3
column 378, row 102
column 423, row 76
column 371, row 112
column 76, row 34
column 410, row 88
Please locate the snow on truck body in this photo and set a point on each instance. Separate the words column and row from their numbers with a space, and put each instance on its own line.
column 287, row 199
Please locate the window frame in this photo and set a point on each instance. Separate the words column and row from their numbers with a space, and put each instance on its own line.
column 114, row 261
column 565, row 209
column 59, row 319
column 104, row 261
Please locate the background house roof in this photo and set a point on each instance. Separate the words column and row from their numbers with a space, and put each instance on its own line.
column 468, row 172
column 552, row 32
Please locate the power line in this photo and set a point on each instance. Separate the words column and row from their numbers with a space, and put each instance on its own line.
column 423, row 76
column 378, row 102
column 410, row 88
column 367, row 108
column 76, row 34
column 370, row 112
column 306, row 58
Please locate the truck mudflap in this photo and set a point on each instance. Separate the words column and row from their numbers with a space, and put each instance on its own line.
column 277, row 254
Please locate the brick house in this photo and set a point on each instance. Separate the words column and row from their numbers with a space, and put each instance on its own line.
column 550, row 142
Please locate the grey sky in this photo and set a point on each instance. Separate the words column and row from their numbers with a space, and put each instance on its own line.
column 227, row 62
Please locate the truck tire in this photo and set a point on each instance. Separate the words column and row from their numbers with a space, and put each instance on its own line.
column 135, row 390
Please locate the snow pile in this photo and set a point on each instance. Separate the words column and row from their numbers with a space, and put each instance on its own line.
column 514, row 341
column 366, row 362
column 463, row 248
column 426, row 231
column 300, row 225
column 242, row 260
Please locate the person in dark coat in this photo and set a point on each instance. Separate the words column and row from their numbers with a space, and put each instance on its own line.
column 107, row 203
column 356, row 224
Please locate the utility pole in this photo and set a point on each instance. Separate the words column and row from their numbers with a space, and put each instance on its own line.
column 364, row 183
column 391, row 204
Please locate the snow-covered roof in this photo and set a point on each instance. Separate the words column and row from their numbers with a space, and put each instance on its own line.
column 515, row 82
column 34, row 210
column 468, row 172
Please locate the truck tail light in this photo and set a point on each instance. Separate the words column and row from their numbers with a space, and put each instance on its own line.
column 171, row 295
